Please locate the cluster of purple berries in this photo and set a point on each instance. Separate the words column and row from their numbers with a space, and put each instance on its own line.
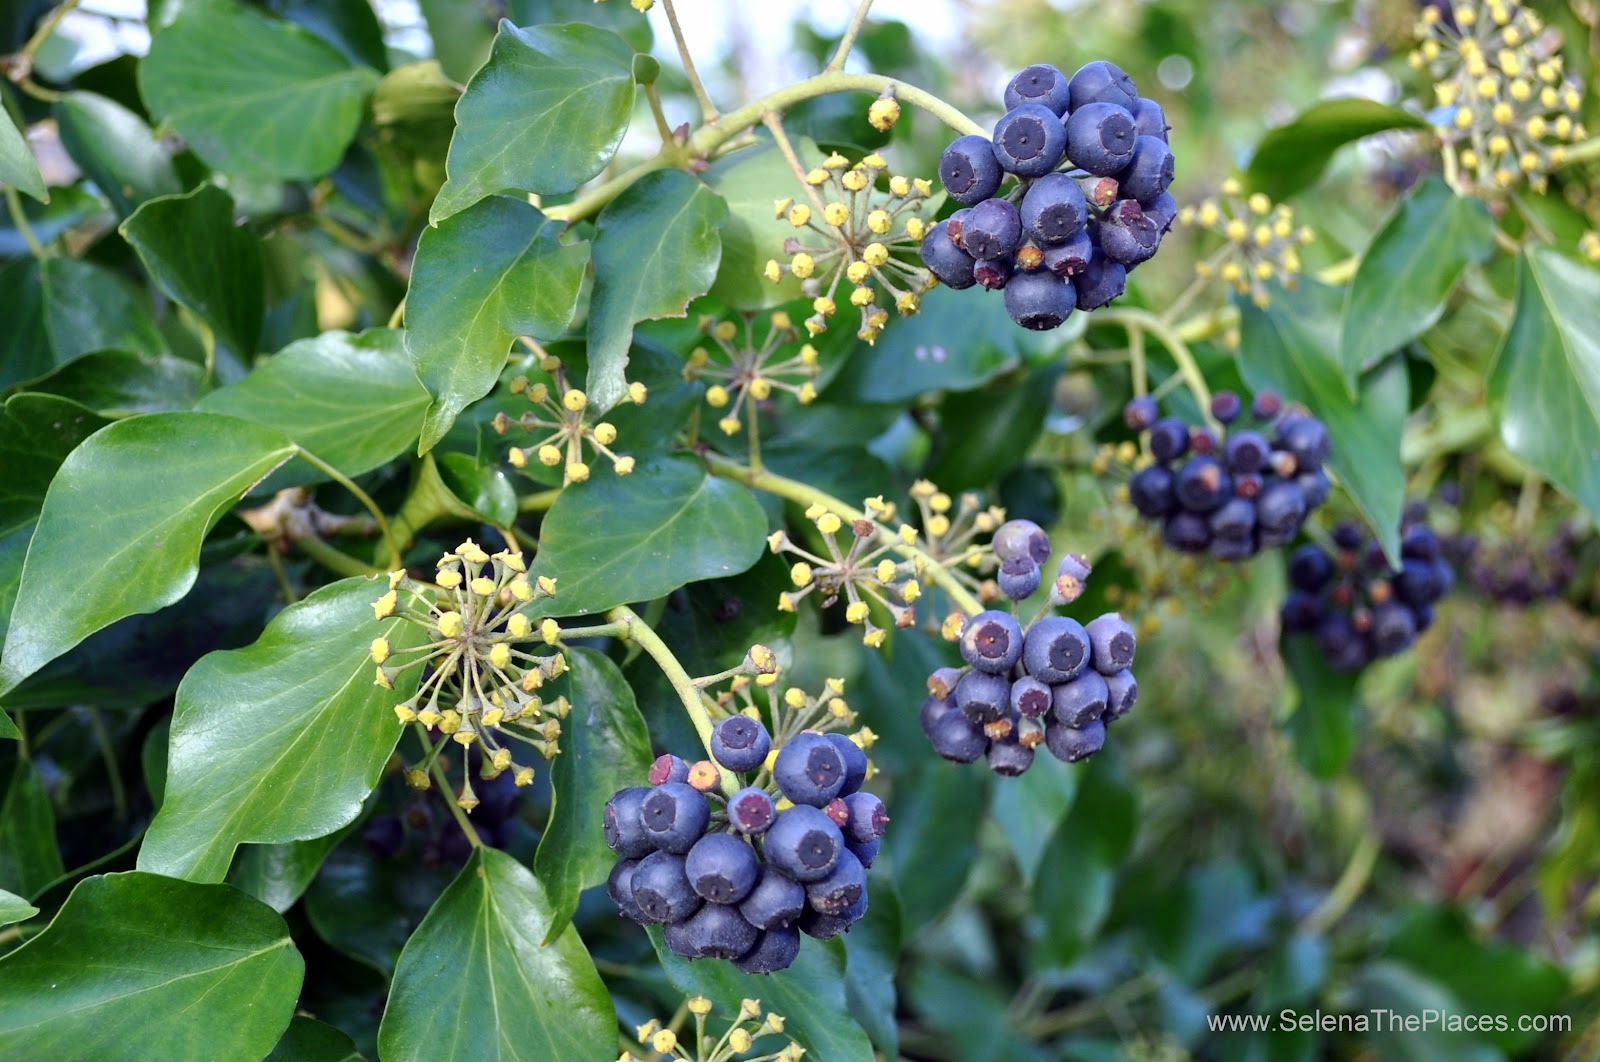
column 1357, row 607
column 741, row 877
column 1090, row 203
column 1234, row 495
column 1056, row 684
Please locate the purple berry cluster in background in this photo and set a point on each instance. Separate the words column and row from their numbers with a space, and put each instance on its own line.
column 1089, row 203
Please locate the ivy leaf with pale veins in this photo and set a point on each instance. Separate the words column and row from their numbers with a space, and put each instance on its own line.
column 543, row 115
column 18, row 167
column 116, row 149
column 656, row 247
column 482, row 278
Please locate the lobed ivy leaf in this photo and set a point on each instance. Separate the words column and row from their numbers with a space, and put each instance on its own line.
column 29, row 857
column 481, row 279
column 122, row 523
column 604, row 747
column 810, row 995
column 116, row 150
column 656, row 247
column 89, row 308
column 353, row 400
column 543, row 115
column 136, row 966
column 18, row 168
column 1408, row 271
column 1291, row 157
column 212, row 267
column 14, row 908
column 1545, row 384
column 366, row 906
column 282, row 740
column 255, row 96
column 617, row 539
column 1293, row 346
column 477, row 980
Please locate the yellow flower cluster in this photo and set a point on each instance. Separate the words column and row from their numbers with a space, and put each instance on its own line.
column 736, row 1041
column 561, row 413
column 855, row 235
column 480, row 686
column 1506, row 110
column 949, row 529
column 1261, row 241
column 862, row 572
column 746, row 372
column 788, row 711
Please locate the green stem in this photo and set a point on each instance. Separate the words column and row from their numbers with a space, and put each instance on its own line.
column 1169, row 338
column 708, row 110
column 660, row 116
column 397, row 557
column 805, row 494
column 851, row 32
column 1584, row 152
column 639, row 632
column 47, row 27
column 20, row 220
column 436, row 769
column 119, row 795
column 537, row 503
column 275, row 562
column 335, row 560
column 1352, row 882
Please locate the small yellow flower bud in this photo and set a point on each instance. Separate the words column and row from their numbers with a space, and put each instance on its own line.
column 637, row 393
column 749, row 1009
column 379, row 650
column 800, row 574
column 799, row 215
column 417, row 778
column 883, row 113
column 550, row 631
column 854, row 181
column 549, row 456
column 802, row 266
column 577, row 472
column 773, row 271
column 405, row 712
column 664, row 1041
column 623, row 466
column 856, row 612
column 522, row 776
column 449, row 625
column 729, row 425
column 817, row 176
column 857, row 272
column 605, row 433
column 429, row 718
column 829, row 524
column 739, row 1040
column 836, row 214
column 500, row 655
column 781, row 206
column 910, row 591
column 922, row 186
column 385, row 605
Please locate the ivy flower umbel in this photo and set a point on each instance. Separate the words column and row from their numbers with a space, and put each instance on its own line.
column 748, row 1028
column 861, row 572
column 562, row 416
column 481, row 687
column 746, row 373
column 1505, row 108
column 1262, row 243
column 950, row 528
column 790, row 710
column 854, row 234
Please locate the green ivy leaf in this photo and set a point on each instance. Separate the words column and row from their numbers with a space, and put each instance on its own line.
column 873, row 947
column 1029, row 809
column 1408, row 271
column 29, row 857
column 116, row 383
column 309, row 1040
column 279, row 874
column 1079, row 866
column 656, row 247
column 810, row 995
column 1291, row 157
column 353, row 400
column 1323, row 724
column 280, row 741
column 366, row 907
column 604, row 747
column 255, row 96
column 122, row 524
column 480, row 280
column 116, row 150
column 1546, row 379
column 128, row 954
column 617, row 539
column 1293, row 347
column 746, row 181
column 37, row 432
column 934, row 841
column 543, row 115
column 17, row 165
column 88, row 308
column 478, row 981
column 210, row 266
column 14, row 908
column 24, row 346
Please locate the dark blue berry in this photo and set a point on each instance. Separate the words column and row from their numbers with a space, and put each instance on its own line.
column 1112, row 643
column 1126, row 236
column 819, row 926
column 866, row 851
column 956, row 225
column 993, row 273
column 740, row 743
column 1071, row 259
column 1202, row 485
column 1150, row 491
column 669, row 768
column 992, row 230
column 1348, row 535
column 624, row 826
column 718, row 932
column 661, row 888
column 1100, row 138
column 1140, row 413
column 1310, row 569
column 1149, row 118
column 933, row 709
column 1303, row 612
column 1149, row 171
column 841, row 889
column 1307, row 438
column 1030, row 697
column 1040, row 300
column 809, row 770
column 1186, row 532
column 1315, row 487
column 1341, row 646
column 1233, row 549
column 721, row 868
column 777, row 900
column 776, row 949
column 751, row 811
column 1169, row 439
column 954, row 737
column 968, row 169
column 1100, row 281
column 1021, row 538
column 983, row 696
column 619, row 886
column 1070, row 745
column 855, row 763
column 1226, row 407
column 1418, row 583
column 1008, row 757
column 1018, row 578
column 1029, row 140
column 1053, row 210
column 1280, row 508
column 1072, row 576
column 804, row 843
column 1162, row 212
column 1246, row 451
column 868, row 818
column 1056, row 649
column 950, row 264
column 1266, row 405
column 1122, row 693
column 674, row 816
column 1236, row 520
column 1394, row 628
column 1042, row 84
column 1101, row 80
column 1419, row 543
column 1079, row 702
column 991, row 641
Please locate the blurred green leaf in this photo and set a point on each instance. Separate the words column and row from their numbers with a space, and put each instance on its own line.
column 481, row 279
column 987, row 432
column 1546, row 379
column 17, row 165
column 481, row 952
column 460, row 33
column 89, row 308
column 873, row 947
column 931, row 846
column 543, row 115
column 1079, row 867
column 29, row 857
column 366, row 906
column 151, row 485
column 1323, row 724
column 1290, row 158
column 1028, row 809
column 1396, row 989
column 656, row 247
column 24, row 347
column 604, row 748
column 309, row 1040
column 114, row 382
column 351, row 26
column 14, row 908
column 255, row 96
column 748, row 182
column 128, row 954
column 116, row 150
column 483, row 488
